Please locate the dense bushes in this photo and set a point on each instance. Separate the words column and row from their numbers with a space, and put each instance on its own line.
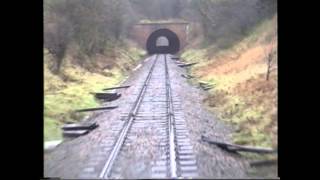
column 91, row 24
column 225, row 22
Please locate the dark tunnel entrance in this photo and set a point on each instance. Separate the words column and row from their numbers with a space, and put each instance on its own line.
column 172, row 47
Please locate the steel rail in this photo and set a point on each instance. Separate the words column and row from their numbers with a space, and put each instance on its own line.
column 116, row 149
column 172, row 146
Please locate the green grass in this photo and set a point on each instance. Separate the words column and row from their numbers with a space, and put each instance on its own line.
column 195, row 55
column 61, row 98
column 249, row 121
column 52, row 130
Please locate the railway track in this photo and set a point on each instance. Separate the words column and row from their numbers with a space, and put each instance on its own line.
column 152, row 140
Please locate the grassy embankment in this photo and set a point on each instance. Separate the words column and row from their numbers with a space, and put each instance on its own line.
column 70, row 90
column 241, row 94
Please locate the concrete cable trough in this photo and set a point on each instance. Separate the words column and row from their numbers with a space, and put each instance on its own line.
column 107, row 96
column 78, row 129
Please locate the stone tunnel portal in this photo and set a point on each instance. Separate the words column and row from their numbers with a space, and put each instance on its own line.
column 156, row 42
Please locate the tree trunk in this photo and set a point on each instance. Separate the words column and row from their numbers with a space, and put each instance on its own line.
column 269, row 66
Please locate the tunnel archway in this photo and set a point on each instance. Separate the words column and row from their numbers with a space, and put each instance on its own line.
column 172, row 48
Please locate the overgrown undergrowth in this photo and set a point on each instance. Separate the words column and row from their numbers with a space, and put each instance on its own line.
column 241, row 94
column 70, row 90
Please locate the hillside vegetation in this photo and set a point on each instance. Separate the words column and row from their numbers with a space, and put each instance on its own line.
column 241, row 93
column 70, row 90
column 86, row 49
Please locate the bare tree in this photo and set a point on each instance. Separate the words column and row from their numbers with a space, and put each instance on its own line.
column 270, row 50
column 269, row 63
column 90, row 24
column 225, row 22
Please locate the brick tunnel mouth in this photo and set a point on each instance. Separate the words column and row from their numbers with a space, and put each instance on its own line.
column 172, row 48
